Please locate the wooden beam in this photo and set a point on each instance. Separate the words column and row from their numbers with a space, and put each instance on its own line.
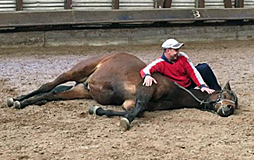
column 67, row 4
column 115, row 4
column 227, row 4
column 19, row 6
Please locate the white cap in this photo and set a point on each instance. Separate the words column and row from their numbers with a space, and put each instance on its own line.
column 172, row 43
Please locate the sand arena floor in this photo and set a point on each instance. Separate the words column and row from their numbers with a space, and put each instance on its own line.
column 64, row 130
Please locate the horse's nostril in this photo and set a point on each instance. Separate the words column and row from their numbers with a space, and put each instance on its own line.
column 229, row 106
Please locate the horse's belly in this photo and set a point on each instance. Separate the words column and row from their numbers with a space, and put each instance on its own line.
column 105, row 95
column 159, row 105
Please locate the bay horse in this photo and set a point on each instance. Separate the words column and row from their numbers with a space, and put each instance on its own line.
column 114, row 79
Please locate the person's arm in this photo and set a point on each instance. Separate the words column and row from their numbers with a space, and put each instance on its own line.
column 148, row 70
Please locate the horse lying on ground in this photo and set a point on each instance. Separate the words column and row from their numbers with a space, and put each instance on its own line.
column 114, row 79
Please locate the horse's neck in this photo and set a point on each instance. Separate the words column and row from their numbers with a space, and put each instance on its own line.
column 193, row 98
column 199, row 94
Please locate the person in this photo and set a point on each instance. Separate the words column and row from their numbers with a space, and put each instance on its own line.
column 178, row 67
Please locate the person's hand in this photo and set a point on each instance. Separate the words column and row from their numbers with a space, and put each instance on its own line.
column 208, row 90
column 149, row 80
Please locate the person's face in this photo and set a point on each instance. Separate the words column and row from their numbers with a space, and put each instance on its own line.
column 172, row 54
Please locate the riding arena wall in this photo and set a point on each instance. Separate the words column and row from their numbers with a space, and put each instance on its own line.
column 113, row 22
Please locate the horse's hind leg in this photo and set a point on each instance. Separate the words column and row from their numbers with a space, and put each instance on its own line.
column 78, row 73
column 109, row 113
column 65, row 77
column 76, row 92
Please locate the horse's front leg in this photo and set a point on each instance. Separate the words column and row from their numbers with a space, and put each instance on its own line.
column 109, row 113
column 143, row 97
column 129, row 117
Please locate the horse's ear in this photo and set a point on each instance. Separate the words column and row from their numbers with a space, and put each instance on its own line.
column 227, row 86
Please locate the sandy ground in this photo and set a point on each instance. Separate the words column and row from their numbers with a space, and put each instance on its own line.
column 64, row 130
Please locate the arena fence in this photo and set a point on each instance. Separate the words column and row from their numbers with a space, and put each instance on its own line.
column 35, row 5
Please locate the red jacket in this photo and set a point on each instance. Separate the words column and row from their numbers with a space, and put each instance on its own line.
column 181, row 71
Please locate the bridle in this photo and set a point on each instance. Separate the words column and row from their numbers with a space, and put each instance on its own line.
column 216, row 102
column 220, row 100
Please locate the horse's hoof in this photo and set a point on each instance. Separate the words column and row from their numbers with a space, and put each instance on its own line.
column 125, row 124
column 10, row 102
column 17, row 105
column 92, row 109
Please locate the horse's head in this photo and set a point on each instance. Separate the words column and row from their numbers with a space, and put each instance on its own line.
column 224, row 102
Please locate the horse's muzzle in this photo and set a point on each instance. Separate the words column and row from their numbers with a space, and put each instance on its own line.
column 226, row 110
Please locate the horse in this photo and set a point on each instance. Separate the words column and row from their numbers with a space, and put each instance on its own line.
column 114, row 79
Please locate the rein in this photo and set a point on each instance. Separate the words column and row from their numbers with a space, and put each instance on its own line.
column 219, row 100
column 188, row 91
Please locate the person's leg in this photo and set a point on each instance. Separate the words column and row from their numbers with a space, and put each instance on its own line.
column 208, row 76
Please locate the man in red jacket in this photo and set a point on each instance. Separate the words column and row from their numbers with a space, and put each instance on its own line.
column 179, row 68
